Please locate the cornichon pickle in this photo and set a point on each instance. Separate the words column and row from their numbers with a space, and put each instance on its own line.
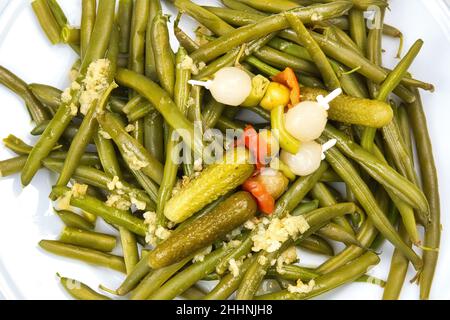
column 365, row 112
column 201, row 233
column 213, row 182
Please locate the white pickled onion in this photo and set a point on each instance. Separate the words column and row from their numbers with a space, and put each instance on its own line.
column 306, row 121
column 306, row 161
column 231, row 86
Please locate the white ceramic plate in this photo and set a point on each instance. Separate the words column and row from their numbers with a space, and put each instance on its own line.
column 27, row 272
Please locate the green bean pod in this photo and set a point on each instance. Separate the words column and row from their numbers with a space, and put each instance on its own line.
column 80, row 291
column 87, row 255
column 316, row 244
column 47, row 20
column 88, row 239
column 47, row 95
column 88, row 16
column 73, row 220
column 124, row 17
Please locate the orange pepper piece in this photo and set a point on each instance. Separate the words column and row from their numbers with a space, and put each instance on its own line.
column 289, row 79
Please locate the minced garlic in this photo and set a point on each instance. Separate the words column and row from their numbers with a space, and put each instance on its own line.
column 133, row 161
column 79, row 190
column 233, row 267
column 301, row 287
column 118, row 202
column 112, row 185
column 271, row 234
column 140, row 205
column 95, row 83
column 199, row 257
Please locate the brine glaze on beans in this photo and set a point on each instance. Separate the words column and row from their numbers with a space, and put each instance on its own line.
column 202, row 232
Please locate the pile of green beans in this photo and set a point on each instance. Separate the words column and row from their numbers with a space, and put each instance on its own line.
column 114, row 160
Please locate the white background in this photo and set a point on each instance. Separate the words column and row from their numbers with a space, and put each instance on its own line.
column 26, row 272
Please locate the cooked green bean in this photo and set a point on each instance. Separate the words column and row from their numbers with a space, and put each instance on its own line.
column 74, row 220
column 153, row 135
column 316, row 244
column 47, row 20
column 132, row 151
column 97, row 207
column 70, row 35
column 271, row 6
column 431, row 190
column 88, row 239
column 358, row 30
column 87, row 255
column 18, row 146
column 139, row 21
column 37, row 111
column 47, row 95
column 124, row 18
column 237, row 5
column 11, row 166
column 229, row 283
column 155, row 279
column 80, row 291
column 88, row 15
column 129, row 248
column 189, row 276
column 319, row 58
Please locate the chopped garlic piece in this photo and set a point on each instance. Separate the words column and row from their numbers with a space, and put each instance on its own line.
column 104, row 134
column 73, row 109
column 199, row 257
column 130, row 128
column 112, row 185
column 262, row 260
column 79, row 190
column 95, row 83
column 233, row 266
column 301, row 287
column 271, row 234
column 133, row 161
column 66, row 96
column 64, row 201
column 118, row 202
column 140, row 205
column 162, row 233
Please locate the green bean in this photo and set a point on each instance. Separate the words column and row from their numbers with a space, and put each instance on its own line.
column 70, row 35
column 362, row 193
column 326, row 199
column 319, row 58
column 334, row 231
column 293, row 273
column 150, row 187
column 363, row 4
column 153, row 135
column 97, row 178
column 137, row 36
column 88, row 239
column 88, row 15
column 236, row 55
column 47, row 95
column 316, row 244
column 150, row 63
column 358, row 30
column 229, row 283
column 97, row 207
column 80, row 291
column 155, row 279
column 64, row 115
column 162, row 101
column 264, row 27
column 47, row 20
column 211, row 113
column 74, row 220
column 237, row 5
column 37, row 111
column 366, row 236
column 133, row 152
column 431, row 190
column 124, row 18
column 11, row 166
column 106, row 153
column 271, row 6
column 224, row 123
column 89, row 159
column 189, row 276
column 398, row 270
column 164, row 62
column 208, row 19
column 280, row 60
column 193, row 293
column 18, row 146
column 129, row 248
column 405, row 129
column 98, row 43
column 380, row 171
column 185, row 41
column 315, row 219
column 137, row 108
column 330, row 281
column 235, row 17
column 139, row 272
column 84, row 254
column 394, row 32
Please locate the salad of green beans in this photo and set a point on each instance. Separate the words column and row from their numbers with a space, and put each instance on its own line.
column 151, row 141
